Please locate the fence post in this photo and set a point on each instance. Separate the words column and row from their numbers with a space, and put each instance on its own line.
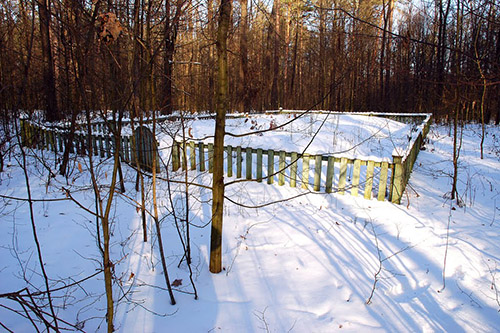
column 108, row 146
column 192, row 155
column 305, row 171
column 382, row 184
column 397, row 179
column 317, row 172
column 369, row 180
column 293, row 170
column 201, row 151
column 210, row 157
column 229, row 161
column 270, row 166
column 259, row 165
column 175, row 156
column 281, row 176
column 238, row 162
column 184, row 156
column 248, row 160
column 329, row 174
column 342, row 174
column 355, row 177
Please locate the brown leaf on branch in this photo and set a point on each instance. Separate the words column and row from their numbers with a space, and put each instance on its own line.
column 110, row 28
column 177, row 282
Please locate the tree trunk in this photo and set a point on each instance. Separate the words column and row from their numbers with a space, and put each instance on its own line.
column 244, row 102
column 48, row 62
column 220, row 121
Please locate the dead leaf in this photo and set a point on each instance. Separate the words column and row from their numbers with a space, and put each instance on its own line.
column 131, row 276
column 110, row 28
column 190, row 132
column 177, row 282
column 138, row 209
column 80, row 167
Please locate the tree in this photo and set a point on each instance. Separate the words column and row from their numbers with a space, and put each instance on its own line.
column 49, row 83
column 220, row 121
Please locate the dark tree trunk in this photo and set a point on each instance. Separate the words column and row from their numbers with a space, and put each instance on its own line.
column 49, row 83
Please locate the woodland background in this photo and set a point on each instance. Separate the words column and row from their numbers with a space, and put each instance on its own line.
column 65, row 56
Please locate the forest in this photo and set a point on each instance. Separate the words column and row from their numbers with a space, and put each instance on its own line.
column 65, row 56
column 122, row 122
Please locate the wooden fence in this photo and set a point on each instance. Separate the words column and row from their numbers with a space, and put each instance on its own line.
column 380, row 180
column 103, row 145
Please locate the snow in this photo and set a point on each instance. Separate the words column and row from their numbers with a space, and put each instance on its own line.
column 340, row 135
column 306, row 264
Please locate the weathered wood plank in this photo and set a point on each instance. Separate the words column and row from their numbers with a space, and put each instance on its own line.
column 211, row 157
column 329, row 174
column 355, row 177
column 201, row 153
column 317, row 172
column 239, row 160
column 248, row 162
column 175, row 156
column 305, row 171
column 382, row 184
column 369, row 180
column 342, row 175
column 259, row 165
column 398, row 182
column 281, row 176
column 293, row 170
column 270, row 166
column 229, row 161
column 192, row 155
column 184, row 158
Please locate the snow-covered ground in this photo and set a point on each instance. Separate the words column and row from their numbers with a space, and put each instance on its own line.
column 342, row 135
column 302, row 265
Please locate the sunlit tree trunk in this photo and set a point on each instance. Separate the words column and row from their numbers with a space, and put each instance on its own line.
column 220, row 121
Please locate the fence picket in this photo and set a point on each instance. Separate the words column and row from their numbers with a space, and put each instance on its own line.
column 355, row 177
column 281, row 176
column 305, row 171
column 369, row 180
column 192, row 155
column 382, row 184
column 259, row 165
column 329, row 174
column 175, row 156
column 238, row 162
column 317, row 172
column 229, row 161
column 270, row 166
column 201, row 150
column 211, row 157
column 248, row 161
column 342, row 175
column 293, row 170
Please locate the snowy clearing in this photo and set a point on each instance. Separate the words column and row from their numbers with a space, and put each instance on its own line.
column 342, row 135
column 303, row 265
